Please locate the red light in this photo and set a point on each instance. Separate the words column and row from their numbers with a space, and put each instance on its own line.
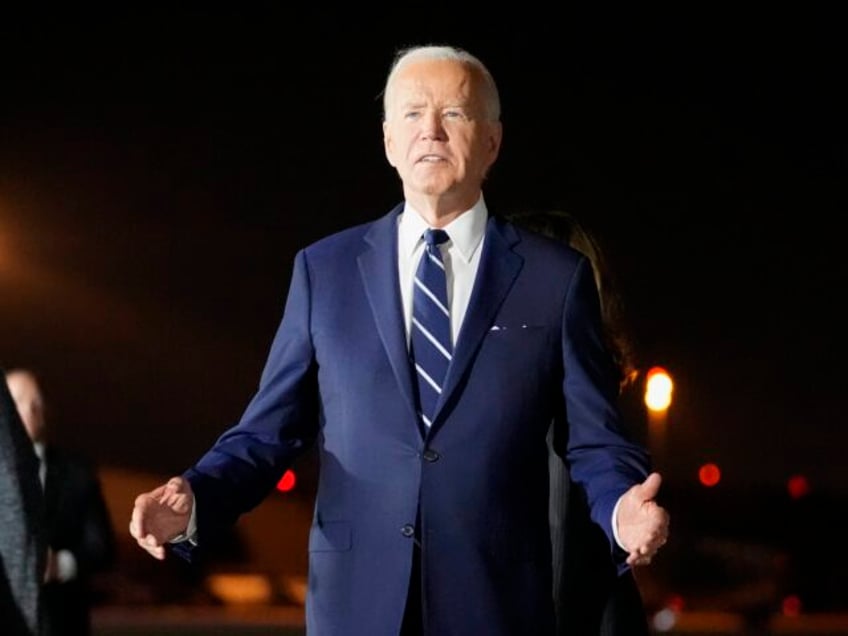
column 654, row 371
column 798, row 486
column 791, row 605
column 287, row 481
column 709, row 475
column 675, row 603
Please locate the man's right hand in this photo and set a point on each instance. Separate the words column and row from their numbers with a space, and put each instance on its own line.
column 161, row 515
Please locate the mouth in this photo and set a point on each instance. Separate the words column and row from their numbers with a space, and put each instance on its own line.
column 430, row 158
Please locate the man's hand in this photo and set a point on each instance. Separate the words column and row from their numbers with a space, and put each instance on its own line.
column 642, row 523
column 162, row 514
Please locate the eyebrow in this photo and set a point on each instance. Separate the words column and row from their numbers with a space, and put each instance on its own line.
column 423, row 103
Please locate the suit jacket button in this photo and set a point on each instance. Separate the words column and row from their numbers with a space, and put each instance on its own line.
column 408, row 530
column 430, row 455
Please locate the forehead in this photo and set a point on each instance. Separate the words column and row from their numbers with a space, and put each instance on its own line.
column 432, row 80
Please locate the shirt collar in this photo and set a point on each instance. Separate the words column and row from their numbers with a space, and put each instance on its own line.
column 465, row 231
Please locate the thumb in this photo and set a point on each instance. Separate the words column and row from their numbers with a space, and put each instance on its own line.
column 649, row 488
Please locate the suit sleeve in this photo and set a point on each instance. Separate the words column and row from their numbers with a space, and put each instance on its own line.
column 604, row 461
column 279, row 423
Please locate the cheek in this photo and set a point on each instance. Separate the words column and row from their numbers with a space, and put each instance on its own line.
column 397, row 147
column 478, row 157
column 387, row 149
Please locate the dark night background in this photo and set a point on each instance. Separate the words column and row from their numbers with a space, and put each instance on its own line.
column 159, row 169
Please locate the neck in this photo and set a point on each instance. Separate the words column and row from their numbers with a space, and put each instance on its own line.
column 439, row 211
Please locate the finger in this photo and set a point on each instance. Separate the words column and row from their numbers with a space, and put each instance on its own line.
column 178, row 502
column 155, row 547
column 638, row 559
column 156, row 493
column 174, row 493
column 165, row 493
column 158, row 552
column 150, row 541
column 649, row 488
column 176, row 483
column 137, row 522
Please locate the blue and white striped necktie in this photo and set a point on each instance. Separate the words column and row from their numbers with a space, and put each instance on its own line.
column 431, row 347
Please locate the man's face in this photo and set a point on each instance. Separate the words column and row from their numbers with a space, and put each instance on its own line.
column 436, row 134
column 30, row 405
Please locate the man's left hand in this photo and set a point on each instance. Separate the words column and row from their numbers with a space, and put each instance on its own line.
column 642, row 523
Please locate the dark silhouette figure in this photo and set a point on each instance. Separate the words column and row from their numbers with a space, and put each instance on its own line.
column 79, row 533
column 22, row 544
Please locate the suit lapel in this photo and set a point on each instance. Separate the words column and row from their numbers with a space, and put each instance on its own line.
column 499, row 266
column 378, row 266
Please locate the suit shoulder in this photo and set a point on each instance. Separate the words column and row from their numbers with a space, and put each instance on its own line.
column 339, row 240
column 351, row 238
column 351, row 241
column 532, row 244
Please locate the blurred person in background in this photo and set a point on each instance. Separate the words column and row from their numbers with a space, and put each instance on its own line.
column 79, row 532
column 590, row 597
column 23, row 550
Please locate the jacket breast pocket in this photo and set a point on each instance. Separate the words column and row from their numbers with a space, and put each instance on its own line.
column 524, row 338
column 521, row 360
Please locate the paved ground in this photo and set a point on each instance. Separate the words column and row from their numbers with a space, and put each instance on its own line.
column 198, row 621
column 288, row 621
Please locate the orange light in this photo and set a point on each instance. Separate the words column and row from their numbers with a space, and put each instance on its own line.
column 240, row 589
column 709, row 475
column 658, row 389
column 798, row 486
column 287, row 481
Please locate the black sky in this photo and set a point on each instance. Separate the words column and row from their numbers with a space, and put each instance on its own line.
column 159, row 169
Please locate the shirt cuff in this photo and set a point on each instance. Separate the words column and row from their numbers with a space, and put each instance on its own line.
column 615, row 525
column 190, row 533
column 66, row 565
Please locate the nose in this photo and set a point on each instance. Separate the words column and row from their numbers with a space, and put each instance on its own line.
column 432, row 127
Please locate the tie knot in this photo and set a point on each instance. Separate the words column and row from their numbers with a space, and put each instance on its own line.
column 435, row 237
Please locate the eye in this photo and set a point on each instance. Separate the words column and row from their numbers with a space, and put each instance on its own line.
column 453, row 114
column 412, row 115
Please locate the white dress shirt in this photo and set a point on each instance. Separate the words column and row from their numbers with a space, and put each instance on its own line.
column 461, row 255
column 42, row 464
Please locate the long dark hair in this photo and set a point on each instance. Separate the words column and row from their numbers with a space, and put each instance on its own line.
column 565, row 227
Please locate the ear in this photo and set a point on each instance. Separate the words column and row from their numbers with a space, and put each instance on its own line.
column 495, row 138
column 493, row 143
column 388, row 147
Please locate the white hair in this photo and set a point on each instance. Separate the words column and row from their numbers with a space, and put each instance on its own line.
column 491, row 99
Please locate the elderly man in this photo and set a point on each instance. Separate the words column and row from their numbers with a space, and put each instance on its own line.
column 426, row 354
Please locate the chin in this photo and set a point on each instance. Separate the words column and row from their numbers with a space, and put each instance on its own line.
column 433, row 187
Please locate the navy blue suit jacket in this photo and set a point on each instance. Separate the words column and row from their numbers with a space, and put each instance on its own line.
column 338, row 374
